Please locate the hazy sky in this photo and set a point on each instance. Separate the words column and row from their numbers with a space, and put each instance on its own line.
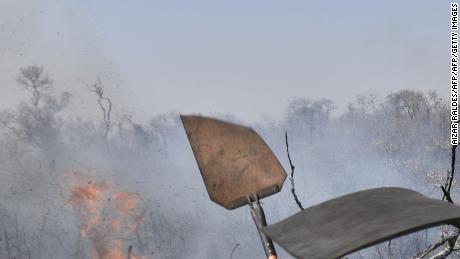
column 242, row 57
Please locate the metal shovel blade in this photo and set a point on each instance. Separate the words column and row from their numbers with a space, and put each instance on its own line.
column 233, row 160
column 346, row 224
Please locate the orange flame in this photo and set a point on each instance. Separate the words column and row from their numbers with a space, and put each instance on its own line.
column 108, row 218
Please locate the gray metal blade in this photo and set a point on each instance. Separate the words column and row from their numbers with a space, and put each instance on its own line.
column 346, row 224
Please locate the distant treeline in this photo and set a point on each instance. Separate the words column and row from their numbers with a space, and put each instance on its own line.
column 401, row 139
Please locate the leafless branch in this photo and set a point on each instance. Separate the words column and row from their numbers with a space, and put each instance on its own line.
column 435, row 246
column 234, row 249
column 450, row 177
column 291, row 178
column 389, row 249
column 446, row 194
column 42, row 230
column 450, row 240
column 450, row 247
column 104, row 103
column 130, row 250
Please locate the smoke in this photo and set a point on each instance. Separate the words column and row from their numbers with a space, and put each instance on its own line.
column 69, row 191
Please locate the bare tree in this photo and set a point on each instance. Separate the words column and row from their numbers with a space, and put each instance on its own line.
column 37, row 121
column 412, row 103
column 34, row 80
column 104, row 103
column 313, row 115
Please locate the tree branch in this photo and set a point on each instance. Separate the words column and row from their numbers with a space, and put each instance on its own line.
column 291, row 178
column 435, row 246
column 451, row 239
column 234, row 249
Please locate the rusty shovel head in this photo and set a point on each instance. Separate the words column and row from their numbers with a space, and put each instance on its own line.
column 233, row 160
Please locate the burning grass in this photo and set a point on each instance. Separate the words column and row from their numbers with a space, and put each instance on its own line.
column 108, row 217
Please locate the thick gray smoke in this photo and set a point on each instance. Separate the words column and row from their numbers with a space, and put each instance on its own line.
column 71, row 188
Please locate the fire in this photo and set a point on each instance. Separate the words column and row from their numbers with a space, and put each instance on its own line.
column 108, row 217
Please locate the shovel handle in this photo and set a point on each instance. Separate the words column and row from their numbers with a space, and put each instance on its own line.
column 258, row 215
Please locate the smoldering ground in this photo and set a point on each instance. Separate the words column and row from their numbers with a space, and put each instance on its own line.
column 117, row 188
